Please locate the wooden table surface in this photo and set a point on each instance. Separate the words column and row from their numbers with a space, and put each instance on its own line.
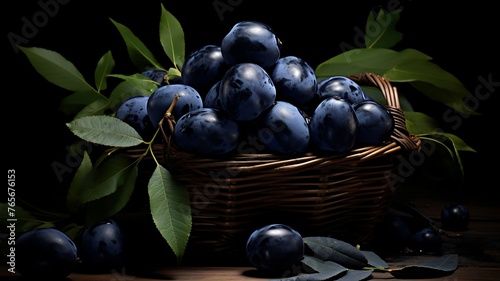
column 478, row 251
column 245, row 273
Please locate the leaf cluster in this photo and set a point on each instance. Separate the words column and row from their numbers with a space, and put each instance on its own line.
column 102, row 187
column 328, row 258
column 413, row 68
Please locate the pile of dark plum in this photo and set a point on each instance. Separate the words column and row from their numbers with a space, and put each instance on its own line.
column 49, row 254
column 241, row 96
column 244, row 97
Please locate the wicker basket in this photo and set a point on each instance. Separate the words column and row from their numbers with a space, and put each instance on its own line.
column 338, row 195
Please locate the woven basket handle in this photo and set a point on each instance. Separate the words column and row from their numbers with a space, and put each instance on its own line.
column 400, row 135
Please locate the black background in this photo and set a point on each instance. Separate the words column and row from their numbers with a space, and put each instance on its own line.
column 460, row 38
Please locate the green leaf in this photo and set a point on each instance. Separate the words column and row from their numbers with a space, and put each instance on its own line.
column 438, row 267
column 170, row 209
column 458, row 143
column 407, row 69
column 319, row 265
column 138, row 79
column 375, row 260
column 76, row 185
column 56, row 69
column 173, row 73
column 134, row 85
column 338, row 251
column 94, row 183
column 374, row 93
column 380, row 31
column 131, row 87
column 408, row 65
column 139, row 54
column 105, row 130
column 443, row 160
column 374, row 60
column 404, row 103
column 450, row 92
column 419, row 123
column 97, row 107
column 172, row 38
column 433, row 81
column 110, row 205
column 77, row 101
column 321, row 270
column 104, row 67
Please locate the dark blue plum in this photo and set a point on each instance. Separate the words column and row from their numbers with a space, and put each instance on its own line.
column 134, row 111
column 426, row 240
column 375, row 123
column 275, row 248
column 251, row 42
column 333, row 125
column 102, row 246
column 157, row 75
column 283, row 129
column 203, row 68
column 45, row 254
column 245, row 91
column 295, row 80
column 161, row 99
column 343, row 87
column 206, row 131
column 212, row 98
column 455, row 216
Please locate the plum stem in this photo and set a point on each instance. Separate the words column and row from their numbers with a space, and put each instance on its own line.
column 172, row 106
column 169, row 117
